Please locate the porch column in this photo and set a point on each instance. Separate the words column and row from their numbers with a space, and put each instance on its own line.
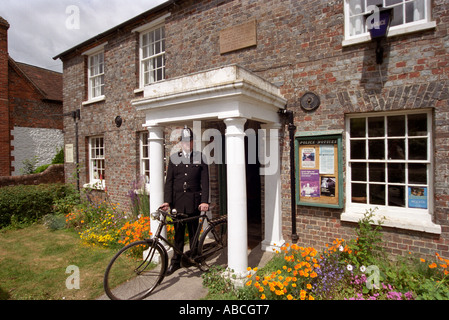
column 236, row 189
column 272, row 174
column 156, row 151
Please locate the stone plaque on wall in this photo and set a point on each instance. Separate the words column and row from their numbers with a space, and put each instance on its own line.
column 238, row 37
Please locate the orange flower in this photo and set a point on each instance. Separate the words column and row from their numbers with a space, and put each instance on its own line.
column 433, row 265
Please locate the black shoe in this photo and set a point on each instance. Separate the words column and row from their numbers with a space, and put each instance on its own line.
column 172, row 268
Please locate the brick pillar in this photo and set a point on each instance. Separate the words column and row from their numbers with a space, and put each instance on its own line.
column 5, row 150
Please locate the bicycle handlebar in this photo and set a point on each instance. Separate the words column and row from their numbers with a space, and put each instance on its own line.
column 174, row 214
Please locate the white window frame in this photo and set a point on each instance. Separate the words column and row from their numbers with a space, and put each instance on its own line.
column 397, row 217
column 152, row 57
column 95, row 180
column 424, row 23
column 96, row 78
column 91, row 78
column 144, row 160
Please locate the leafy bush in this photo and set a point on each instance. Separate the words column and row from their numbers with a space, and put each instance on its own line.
column 27, row 204
column 41, row 168
column 357, row 269
column 59, row 157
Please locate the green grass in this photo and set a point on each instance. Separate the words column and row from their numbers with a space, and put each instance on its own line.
column 33, row 264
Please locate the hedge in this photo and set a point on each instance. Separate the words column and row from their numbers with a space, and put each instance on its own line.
column 29, row 203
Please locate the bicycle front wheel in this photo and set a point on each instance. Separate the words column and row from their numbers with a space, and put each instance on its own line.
column 135, row 271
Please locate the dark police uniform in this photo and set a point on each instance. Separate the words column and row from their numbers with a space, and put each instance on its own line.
column 186, row 187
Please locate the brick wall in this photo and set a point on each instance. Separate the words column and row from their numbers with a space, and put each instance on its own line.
column 299, row 47
column 121, row 144
column 53, row 174
column 4, row 105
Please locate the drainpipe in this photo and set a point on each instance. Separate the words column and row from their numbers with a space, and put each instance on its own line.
column 288, row 114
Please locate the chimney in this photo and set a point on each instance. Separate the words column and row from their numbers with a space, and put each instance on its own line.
column 5, row 149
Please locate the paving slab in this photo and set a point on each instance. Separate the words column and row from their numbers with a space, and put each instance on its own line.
column 187, row 283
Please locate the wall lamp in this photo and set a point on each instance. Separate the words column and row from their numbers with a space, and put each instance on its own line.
column 378, row 23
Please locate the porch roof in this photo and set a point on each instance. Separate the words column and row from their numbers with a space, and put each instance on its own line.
column 220, row 93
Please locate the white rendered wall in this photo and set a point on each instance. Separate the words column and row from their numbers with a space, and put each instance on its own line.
column 30, row 142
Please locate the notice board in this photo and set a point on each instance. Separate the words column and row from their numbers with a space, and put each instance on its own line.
column 319, row 170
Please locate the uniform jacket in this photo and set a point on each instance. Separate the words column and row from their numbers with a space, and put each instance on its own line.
column 187, row 183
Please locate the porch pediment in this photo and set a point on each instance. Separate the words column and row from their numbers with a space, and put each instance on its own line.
column 219, row 93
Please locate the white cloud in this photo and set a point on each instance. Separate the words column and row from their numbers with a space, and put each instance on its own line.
column 38, row 29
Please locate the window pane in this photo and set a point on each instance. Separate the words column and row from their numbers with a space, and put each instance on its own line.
column 373, row 2
column 417, row 125
column 377, row 194
column 398, row 15
column 396, row 196
column 358, row 192
column 417, row 149
column 358, row 149
column 357, row 129
column 414, row 10
column 376, row 127
column 396, row 149
column 396, row 172
column 358, row 172
column 396, row 126
column 377, row 172
column 376, row 149
column 159, row 75
column 417, row 173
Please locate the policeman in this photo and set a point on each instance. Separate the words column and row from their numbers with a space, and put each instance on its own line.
column 186, row 190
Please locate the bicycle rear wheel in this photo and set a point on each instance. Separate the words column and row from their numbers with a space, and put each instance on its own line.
column 135, row 271
column 212, row 244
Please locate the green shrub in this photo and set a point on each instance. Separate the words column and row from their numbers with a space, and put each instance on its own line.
column 41, row 168
column 59, row 157
column 27, row 204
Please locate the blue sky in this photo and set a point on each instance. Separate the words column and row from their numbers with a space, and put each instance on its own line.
column 41, row 29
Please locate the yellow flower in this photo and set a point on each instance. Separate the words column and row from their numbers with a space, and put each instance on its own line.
column 290, row 297
column 263, row 297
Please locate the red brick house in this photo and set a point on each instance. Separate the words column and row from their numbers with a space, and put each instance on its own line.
column 365, row 134
column 31, row 109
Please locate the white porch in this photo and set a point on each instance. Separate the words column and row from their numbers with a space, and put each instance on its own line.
column 233, row 95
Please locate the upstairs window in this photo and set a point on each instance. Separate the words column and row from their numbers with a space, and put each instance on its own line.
column 96, row 75
column 152, row 55
column 408, row 16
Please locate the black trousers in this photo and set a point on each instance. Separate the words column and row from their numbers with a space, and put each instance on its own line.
column 180, row 228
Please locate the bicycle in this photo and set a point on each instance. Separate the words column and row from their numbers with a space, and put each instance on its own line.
column 141, row 266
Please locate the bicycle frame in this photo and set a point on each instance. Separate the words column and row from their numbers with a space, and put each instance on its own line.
column 159, row 238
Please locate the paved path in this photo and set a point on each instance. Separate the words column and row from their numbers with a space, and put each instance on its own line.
column 187, row 284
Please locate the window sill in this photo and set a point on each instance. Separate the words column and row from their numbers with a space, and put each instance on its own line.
column 94, row 100
column 415, row 220
column 394, row 31
column 96, row 185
